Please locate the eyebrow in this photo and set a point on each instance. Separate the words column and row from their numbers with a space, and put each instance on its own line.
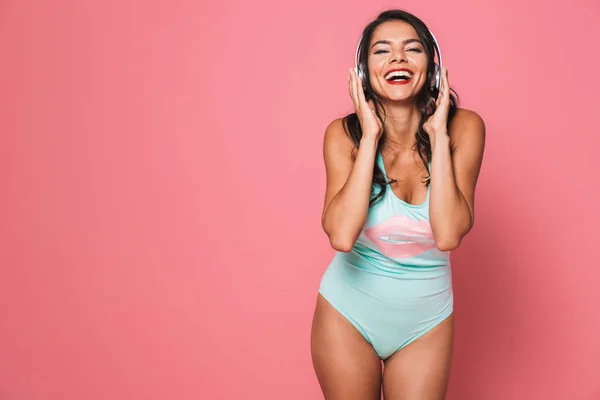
column 404, row 42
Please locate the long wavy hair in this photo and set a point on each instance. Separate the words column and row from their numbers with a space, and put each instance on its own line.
column 425, row 99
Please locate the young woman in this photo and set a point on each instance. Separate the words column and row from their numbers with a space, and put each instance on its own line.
column 401, row 176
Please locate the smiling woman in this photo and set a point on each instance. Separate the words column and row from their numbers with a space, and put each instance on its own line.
column 401, row 176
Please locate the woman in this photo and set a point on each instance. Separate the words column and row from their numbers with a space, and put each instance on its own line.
column 401, row 176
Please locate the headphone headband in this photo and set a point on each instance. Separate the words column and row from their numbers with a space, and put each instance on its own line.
column 437, row 66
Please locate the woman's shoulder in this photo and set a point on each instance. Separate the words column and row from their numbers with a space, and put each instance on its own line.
column 465, row 122
column 337, row 139
column 336, row 127
column 464, row 116
column 337, row 132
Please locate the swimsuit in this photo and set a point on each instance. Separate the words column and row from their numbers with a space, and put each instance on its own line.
column 394, row 285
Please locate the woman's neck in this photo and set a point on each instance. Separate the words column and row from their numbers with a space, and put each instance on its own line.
column 401, row 125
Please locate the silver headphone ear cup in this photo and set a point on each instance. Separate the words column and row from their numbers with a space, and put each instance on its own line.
column 436, row 76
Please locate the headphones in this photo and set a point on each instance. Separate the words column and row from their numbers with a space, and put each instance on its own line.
column 437, row 67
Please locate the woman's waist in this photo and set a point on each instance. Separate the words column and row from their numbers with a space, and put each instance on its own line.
column 390, row 283
column 367, row 261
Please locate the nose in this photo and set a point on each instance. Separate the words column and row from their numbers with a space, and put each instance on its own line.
column 398, row 56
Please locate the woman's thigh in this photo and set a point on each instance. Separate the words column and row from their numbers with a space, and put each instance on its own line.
column 421, row 370
column 346, row 365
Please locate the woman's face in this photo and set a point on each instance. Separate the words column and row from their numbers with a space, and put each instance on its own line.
column 397, row 61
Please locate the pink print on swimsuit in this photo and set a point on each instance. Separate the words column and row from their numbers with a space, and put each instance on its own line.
column 401, row 237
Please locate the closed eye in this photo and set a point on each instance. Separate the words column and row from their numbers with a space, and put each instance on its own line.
column 414, row 50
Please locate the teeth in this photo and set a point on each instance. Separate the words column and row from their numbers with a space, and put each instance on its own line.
column 405, row 74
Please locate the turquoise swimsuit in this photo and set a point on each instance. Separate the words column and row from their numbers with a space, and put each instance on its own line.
column 394, row 285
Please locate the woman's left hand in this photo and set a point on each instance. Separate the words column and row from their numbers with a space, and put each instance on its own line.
column 437, row 123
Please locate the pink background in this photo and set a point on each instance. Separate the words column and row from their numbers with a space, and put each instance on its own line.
column 162, row 183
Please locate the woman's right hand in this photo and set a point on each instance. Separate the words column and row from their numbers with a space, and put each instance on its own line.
column 370, row 124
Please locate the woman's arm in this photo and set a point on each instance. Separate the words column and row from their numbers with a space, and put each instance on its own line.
column 348, row 185
column 456, row 162
column 454, row 171
column 349, row 180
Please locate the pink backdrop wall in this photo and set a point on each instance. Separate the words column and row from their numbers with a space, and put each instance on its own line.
column 162, row 183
